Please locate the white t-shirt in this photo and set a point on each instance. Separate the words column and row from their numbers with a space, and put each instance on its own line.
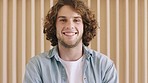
column 74, row 70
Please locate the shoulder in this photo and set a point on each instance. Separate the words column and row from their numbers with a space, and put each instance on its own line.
column 107, row 66
column 101, row 60
column 44, row 57
column 38, row 58
column 102, row 57
column 99, row 56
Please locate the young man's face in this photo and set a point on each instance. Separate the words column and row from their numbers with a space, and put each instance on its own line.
column 69, row 27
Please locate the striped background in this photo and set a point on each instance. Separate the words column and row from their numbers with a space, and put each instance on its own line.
column 123, row 36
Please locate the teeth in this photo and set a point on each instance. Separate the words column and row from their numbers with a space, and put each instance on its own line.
column 69, row 33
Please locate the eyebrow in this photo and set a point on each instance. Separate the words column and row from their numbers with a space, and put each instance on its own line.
column 65, row 17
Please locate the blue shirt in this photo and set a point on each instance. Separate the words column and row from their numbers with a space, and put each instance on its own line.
column 47, row 68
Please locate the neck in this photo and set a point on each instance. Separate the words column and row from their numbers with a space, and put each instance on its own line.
column 70, row 54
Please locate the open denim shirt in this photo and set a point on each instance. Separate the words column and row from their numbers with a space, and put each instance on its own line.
column 47, row 68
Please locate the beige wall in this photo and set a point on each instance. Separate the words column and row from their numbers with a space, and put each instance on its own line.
column 123, row 36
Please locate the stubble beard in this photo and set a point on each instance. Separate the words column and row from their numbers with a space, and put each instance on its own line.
column 69, row 45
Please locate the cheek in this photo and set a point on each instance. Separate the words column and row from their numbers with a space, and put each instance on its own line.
column 81, row 28
column 57, row 27
column 58, row 31
column 57, row 34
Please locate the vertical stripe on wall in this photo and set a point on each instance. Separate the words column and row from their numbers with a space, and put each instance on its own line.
column 20, row 25
column 108, row 27
column 51, row 3
column 42, row 17
column 145, row 41
column 136, row 41
column 117, row 37
column 32, row 28
column 127, row 42
column 23, row 37
column 14, row 45
column 98, row 19
column 5, row 21
column 89, row 3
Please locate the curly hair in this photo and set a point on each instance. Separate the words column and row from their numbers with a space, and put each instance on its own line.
column 89, row 21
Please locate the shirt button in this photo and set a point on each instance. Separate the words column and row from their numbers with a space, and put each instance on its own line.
column 84, row 78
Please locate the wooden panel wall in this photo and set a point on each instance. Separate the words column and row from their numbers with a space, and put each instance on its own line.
column 123, row 36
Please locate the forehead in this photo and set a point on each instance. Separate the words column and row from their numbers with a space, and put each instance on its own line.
column 68, row 11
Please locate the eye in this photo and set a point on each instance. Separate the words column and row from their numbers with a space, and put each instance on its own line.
column 77, row 20
column 62, row 20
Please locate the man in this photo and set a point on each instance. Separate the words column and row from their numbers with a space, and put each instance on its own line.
column 70, row 26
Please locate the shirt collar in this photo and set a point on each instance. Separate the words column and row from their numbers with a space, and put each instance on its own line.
column 54, row 52
column 87, row 52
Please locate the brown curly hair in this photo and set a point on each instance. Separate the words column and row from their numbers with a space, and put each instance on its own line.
column 89, row 21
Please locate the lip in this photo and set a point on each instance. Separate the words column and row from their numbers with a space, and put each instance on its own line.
column 69, row 33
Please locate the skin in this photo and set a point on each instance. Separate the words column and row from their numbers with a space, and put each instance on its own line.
column 69, row 31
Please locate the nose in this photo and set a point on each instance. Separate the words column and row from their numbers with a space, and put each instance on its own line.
column 70, row 24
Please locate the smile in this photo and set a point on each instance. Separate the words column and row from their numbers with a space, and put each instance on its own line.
column 70, row 33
